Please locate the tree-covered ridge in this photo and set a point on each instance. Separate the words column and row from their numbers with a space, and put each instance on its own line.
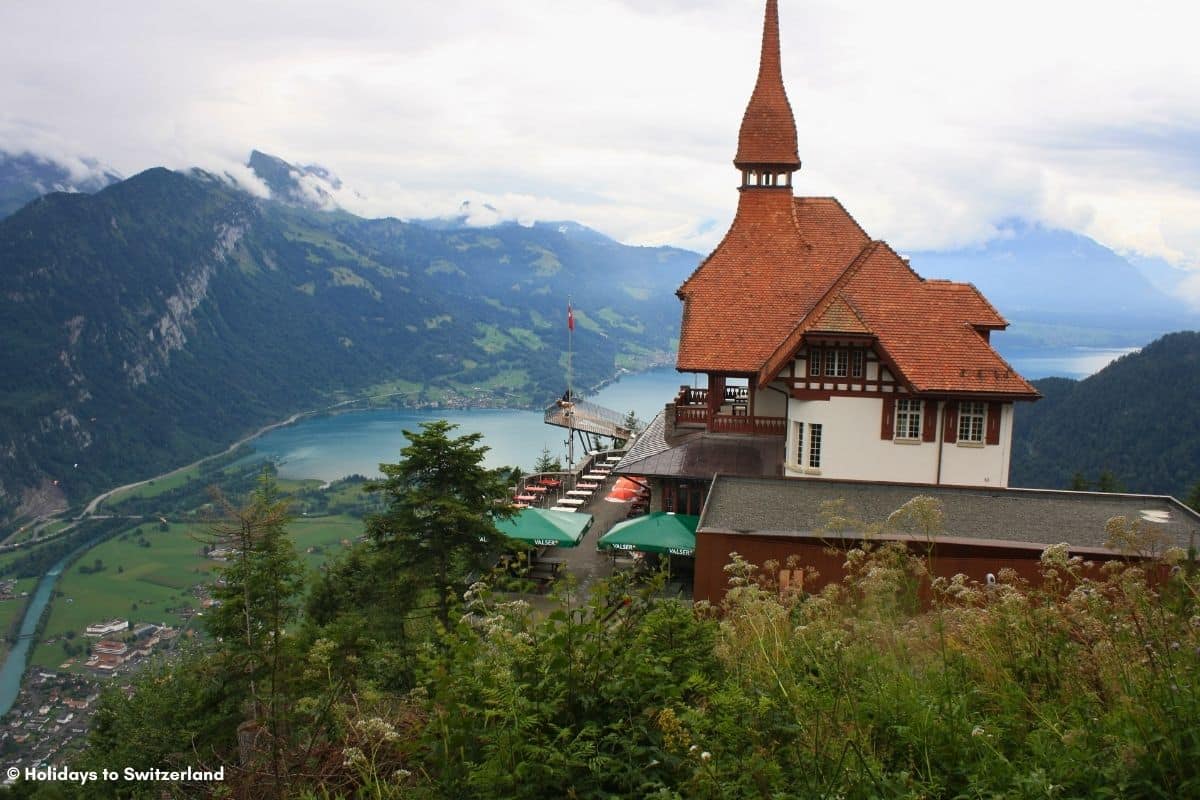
column 169, row 314
column 1137, row 419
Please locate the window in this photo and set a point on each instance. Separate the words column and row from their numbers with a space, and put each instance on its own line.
column 835, row 363
column 814, row 362
column 856, row 363
column 971, row 418
column 814, row 445
column 798, row 443
column 908, row 419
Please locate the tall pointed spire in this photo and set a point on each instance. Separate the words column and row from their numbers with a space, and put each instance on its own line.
column 767, row 139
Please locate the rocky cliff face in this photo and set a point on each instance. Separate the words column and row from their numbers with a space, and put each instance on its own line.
column 167, row 315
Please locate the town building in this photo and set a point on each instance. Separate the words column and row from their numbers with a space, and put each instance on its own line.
column 112, row 626
column 830, row 370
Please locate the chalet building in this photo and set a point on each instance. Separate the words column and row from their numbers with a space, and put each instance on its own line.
column 826, row 359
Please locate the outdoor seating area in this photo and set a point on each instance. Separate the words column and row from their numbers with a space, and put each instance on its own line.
column 556, row 512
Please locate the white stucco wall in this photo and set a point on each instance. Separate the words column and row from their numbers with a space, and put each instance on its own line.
column 969, row 464
column 851, row 447
column 771, row 401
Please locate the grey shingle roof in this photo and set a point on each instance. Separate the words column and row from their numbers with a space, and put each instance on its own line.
column 702, row 455
column 1032, row 516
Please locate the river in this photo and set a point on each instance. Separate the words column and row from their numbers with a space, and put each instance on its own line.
column 14, row 663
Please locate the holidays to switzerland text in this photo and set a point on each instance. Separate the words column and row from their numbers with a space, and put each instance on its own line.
column 83, row 777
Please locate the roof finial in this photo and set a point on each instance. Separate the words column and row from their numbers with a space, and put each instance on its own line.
column 768, row 134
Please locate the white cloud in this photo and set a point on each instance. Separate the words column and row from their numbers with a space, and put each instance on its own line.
column 930, row 120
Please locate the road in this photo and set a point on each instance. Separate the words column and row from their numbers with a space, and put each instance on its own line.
column 90, row 508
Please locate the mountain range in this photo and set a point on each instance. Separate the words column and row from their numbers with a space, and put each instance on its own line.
column 1062, row 289
column 148, row 321
column 25, row 177
column 169, row 313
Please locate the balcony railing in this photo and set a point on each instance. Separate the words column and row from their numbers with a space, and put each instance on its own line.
column 761, row 426
column 691, row 397
column 698, row 417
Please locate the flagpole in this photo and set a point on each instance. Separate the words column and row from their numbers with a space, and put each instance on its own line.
column 570, row 396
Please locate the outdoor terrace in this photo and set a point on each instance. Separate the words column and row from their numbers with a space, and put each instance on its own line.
column 733, row 414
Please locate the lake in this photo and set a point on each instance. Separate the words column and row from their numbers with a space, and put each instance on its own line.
column 334, row 446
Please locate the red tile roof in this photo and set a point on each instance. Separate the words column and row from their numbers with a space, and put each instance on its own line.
column 840, row 317
column 778, row 276
column 929, row 328
column 789, row 267
column 768, row 132
column 779, row 257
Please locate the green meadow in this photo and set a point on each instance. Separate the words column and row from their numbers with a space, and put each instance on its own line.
column 149, row 576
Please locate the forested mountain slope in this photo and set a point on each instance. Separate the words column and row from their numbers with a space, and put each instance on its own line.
column 172, row 313
column 1139, row 418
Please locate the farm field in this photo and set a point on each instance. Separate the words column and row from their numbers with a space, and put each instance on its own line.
column 11, row 610
column 149, row 582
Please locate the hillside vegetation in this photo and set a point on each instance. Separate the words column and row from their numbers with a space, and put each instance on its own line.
column 170, row 314
column 1084, row 686
column 1137, row 418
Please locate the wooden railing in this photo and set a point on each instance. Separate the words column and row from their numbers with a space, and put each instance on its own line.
column 691, row 397
column 737, row 394
column 762, row 426
column 691, row 415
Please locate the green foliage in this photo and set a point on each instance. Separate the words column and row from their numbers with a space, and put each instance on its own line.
column 547, row 463
column 441, row 502
column 522, row 707
column 1137, row 419
column 258, row 601
column 175, row 717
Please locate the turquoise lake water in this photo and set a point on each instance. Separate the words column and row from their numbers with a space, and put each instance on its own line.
column 332, row 447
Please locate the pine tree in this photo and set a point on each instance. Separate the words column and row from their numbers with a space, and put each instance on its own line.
column 259, row 599
column 441, row 501
column 547, row 463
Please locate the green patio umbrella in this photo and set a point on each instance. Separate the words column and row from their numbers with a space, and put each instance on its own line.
column 546, row 528
column 659, row 532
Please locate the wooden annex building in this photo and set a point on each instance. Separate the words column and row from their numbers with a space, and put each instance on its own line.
column 834, row 372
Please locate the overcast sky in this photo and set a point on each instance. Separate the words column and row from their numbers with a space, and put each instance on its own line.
column 931, row 121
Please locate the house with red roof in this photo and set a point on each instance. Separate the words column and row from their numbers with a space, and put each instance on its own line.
column 810, row 333
column 832, row 375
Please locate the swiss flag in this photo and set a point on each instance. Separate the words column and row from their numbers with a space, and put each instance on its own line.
column 570, row 318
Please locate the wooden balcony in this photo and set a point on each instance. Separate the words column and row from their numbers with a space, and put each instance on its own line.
column 698, row 417
column 698, row 397
column 758, row 426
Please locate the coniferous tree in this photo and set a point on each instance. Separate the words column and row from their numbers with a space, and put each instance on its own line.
column 546, row 462
column 438, row 526
column 259, row 599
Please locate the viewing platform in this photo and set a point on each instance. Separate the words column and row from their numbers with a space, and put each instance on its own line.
column 588, row 418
